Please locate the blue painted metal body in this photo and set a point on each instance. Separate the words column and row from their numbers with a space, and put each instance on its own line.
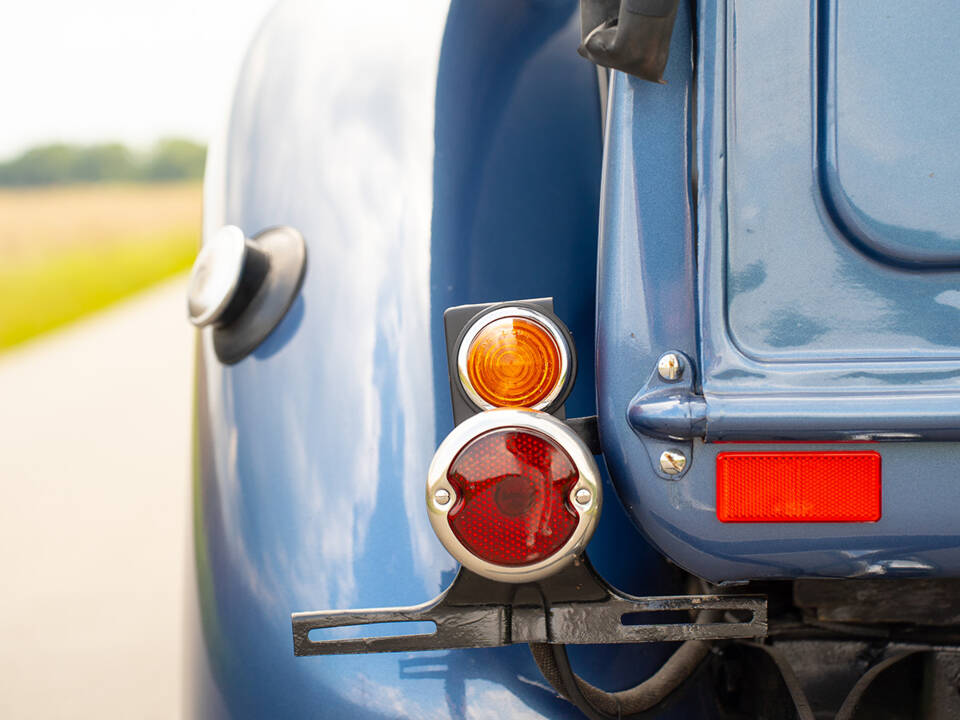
column 816, row 288
column 781, row 212
column 430, row 158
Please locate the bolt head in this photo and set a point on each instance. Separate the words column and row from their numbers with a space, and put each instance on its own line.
column 672, row 462
column 582, row 496
column 670, row 367
column 442, row 496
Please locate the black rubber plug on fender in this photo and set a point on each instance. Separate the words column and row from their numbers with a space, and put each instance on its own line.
column 242, row 287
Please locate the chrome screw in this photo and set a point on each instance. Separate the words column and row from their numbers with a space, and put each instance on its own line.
column 442, row 496
column 672, row 462
column 582, row 496
column 670, row 367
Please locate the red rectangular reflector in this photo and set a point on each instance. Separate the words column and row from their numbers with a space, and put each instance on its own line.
column 798, row 486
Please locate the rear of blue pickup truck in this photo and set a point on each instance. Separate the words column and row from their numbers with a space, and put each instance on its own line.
column 544, row 386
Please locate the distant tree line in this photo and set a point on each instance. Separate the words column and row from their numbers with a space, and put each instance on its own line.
column 170, row 159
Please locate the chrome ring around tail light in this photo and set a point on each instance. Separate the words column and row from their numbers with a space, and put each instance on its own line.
column 442, row 496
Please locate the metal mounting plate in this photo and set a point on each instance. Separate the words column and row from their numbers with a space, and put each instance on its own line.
column 573, row 607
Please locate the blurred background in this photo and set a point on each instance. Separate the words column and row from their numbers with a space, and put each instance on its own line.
column 108, row 106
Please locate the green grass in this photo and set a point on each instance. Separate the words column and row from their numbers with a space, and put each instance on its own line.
column 42, row 294
column 66, row 252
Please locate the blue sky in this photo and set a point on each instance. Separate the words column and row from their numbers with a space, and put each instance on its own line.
column 128, row 70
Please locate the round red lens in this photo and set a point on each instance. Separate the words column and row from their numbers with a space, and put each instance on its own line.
column 513, row 489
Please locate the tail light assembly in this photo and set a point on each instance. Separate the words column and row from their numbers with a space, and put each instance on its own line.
column 514, row 494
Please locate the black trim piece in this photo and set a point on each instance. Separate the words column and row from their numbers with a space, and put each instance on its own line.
column 588, row 430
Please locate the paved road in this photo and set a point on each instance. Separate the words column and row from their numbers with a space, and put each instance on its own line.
column 94, row 514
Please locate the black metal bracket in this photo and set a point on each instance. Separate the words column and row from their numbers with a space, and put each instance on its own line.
column 587, row 430
column 574, row 607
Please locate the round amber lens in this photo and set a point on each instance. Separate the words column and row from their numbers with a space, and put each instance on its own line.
column 514, row 362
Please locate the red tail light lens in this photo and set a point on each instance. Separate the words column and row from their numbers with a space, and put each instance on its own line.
column 798, row 487
column 513, row 494
column 513, row 490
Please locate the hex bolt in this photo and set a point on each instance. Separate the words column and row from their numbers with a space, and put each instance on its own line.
column 582, row 496
column 672, row 462
column 442, row 496
column 670, row 367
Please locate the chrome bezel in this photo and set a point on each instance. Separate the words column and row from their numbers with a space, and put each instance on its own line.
column 507, row 312
column 520, row 419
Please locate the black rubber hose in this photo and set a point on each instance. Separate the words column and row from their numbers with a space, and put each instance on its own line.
column 599, row 704
column 853, row 699
column 790, row 680
column 603, row 705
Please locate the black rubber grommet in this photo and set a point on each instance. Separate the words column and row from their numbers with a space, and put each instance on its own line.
column 286, row 259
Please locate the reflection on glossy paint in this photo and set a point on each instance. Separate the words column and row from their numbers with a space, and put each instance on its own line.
column 792, row 315
column 884, row 125
column 892, row 139
column 415, row 149
column 368, row 251
column 320, row 442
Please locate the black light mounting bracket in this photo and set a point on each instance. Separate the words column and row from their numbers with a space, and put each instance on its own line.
column 575, row 606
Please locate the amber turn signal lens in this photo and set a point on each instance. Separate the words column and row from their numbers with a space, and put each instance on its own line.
column 515, row 361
